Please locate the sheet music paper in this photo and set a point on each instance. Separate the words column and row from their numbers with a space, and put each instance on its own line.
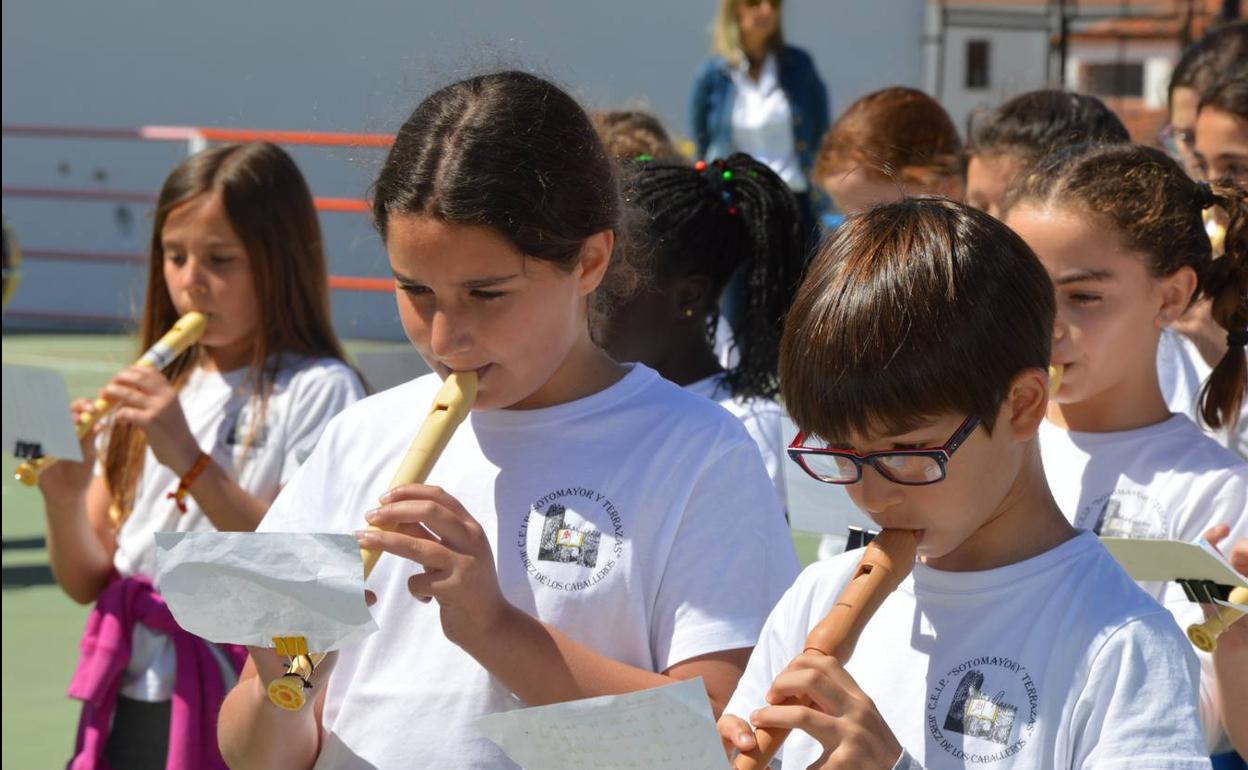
column 1168, row 560
column 36, row 413
column 248, row 587
column 666, row 727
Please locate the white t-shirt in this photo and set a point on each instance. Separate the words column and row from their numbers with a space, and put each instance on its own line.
column 219, row 410
column 1059, row 661
column 762, row 419
column 1165, row 481
column 638, row 520
column 1182, row 371
column 762, row 122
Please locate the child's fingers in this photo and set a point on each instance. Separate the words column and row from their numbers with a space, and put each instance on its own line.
column 736, row 734
column 802, row 718
column 141, row 378
column 811, row 685
column 424, row 586
column 427, row 553
column 1216, row 533
column 428, row 492
column 1239, row 556
column 450, row 528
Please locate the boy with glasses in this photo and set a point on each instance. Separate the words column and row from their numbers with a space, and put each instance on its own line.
column 914, row 360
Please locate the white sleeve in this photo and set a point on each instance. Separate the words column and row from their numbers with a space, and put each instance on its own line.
column 731, row 558
column 777, row 645
column 1138, row 704
column 322, row 394
column 314, row 488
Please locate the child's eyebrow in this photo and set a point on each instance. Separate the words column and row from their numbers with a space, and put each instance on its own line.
column 1084, row 275
column 475, row 283
column 480, row 283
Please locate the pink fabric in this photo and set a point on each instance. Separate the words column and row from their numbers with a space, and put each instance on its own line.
column 197, row 692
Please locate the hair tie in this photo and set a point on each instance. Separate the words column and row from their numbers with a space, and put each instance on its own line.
column 1205, row 196
column 1237, row 339
column 719, row 177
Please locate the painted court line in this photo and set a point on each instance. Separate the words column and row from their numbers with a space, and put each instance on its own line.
column 62, row 364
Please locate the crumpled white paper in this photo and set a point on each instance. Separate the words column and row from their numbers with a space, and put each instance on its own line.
column 666, row 727
column 248, row 587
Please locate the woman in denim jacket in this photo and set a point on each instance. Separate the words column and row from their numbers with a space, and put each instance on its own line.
column 759, row 96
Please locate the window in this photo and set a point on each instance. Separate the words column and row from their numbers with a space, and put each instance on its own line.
column 1114, row 79
column 977, row 63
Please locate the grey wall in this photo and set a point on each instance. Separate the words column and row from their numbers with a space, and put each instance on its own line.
column 340, row 66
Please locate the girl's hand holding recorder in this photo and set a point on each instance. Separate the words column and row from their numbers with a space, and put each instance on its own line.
column 426, row 525
column 145, row 398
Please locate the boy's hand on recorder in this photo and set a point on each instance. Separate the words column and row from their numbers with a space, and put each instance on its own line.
column 144, row 398
column 65, row 480
column 840, row 716
column 736, row 735
column 430, row 527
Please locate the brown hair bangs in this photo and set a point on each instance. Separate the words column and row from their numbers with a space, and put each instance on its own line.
column 909, row 311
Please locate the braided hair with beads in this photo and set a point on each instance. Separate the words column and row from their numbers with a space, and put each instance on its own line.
column 715, row 220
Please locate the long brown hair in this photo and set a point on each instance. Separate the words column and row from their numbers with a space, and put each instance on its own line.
column 272, row 212
column 1156, row 208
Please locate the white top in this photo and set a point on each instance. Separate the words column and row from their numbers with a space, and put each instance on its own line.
column 219, row 409
column 1059, row 661
column 1166, row 481
column 1182, row 371
column 638, row 520
column 762, row 419
column 762, row 121
column 725, row 345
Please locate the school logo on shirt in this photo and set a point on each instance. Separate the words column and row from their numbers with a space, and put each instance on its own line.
column 240, row 429
column 571, row 539
column 1124, row 512
column 983, row 710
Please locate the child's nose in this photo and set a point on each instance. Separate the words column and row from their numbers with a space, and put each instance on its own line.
column 192, row 278
column 878, row 493
column 449, row 334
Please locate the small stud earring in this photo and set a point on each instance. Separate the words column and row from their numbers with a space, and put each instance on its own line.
column 688, row 312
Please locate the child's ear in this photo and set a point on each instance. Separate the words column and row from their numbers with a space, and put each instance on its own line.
column 594, row 261
column 1176, row 293
column 692, row 294
column 1026, row 403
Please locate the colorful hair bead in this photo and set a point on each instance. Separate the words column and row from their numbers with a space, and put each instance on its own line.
column 700, row 166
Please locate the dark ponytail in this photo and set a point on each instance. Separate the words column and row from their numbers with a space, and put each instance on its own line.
column 718, row 219
column 1225, row 283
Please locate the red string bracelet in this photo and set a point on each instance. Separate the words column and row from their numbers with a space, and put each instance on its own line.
column 184, row 485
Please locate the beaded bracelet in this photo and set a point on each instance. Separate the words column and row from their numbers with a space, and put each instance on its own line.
column 184, row 485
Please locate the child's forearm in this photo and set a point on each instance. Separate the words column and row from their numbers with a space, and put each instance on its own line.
column 78, row 560
column 228, row 506
column 253, row 733
column 1231, row 667
column 555, row 667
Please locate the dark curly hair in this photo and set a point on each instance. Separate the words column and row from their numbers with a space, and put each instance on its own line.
column 715, row 219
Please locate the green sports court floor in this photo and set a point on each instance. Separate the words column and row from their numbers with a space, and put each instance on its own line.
column 40, row 625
